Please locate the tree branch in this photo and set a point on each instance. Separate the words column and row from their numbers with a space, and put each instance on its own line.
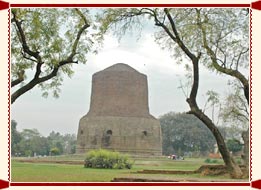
column 25, row 46
column 22, row 37
column 228, row 71
column 178, row 40
column 239, row 56
column 19, row 79
column 37, row 80
column 82, row 29
column 31, row 84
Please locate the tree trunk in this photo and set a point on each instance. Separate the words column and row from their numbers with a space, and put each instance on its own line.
column 246, row 93
column 231, row 165
column 245, row 156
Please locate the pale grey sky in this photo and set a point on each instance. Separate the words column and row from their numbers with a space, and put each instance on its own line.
column 62, row 115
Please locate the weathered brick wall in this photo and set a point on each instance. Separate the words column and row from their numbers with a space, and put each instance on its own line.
column 119, row 93
column 134, row 135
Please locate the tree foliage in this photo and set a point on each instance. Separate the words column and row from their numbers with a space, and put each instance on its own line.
column 45, row 45
column 32, row 143
column 29, row 142
column 234, row 145
column 183, row 133
column 235, row 110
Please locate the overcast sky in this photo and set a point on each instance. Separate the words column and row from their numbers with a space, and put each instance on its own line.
column 62, row 115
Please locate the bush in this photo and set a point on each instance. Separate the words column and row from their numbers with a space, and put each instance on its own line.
column 55, row 151
column 106, row 159
column 209, row 161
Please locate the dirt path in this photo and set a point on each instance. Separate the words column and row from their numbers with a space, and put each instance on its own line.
column 73, row 162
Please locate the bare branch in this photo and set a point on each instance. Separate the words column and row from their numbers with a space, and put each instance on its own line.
column 239, row 56
column 182, row 88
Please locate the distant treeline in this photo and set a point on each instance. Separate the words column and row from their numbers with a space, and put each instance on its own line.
column 29, row 142
column 185, row 135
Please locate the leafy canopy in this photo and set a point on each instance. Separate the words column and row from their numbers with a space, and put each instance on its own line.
column 45, row 45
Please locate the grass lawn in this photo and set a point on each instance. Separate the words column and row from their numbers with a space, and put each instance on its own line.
column 38, row 172
column 50, row 172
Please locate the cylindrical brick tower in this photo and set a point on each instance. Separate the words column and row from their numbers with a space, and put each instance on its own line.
column 119, row 117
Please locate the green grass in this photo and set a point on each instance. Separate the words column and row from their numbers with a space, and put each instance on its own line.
column 43, row 172
column 36, row 172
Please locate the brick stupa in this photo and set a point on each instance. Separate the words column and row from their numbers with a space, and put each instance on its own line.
column 119, row 117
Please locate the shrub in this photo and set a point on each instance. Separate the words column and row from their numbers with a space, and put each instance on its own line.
column 106, row 159
column 55, row 151
column 209, row 161
column 239, row 161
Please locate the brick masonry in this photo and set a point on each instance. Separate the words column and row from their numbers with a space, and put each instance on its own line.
column 119, row 117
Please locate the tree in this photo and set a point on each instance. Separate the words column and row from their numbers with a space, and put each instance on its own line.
column 69, row 143
column 183, row 30
column 30, row 142
column 15, row 139
column 45, row 44
column 185, row 133
column 234, row 145
column 56, row 141
column 228, row 58
column 33, row 143
column 66, row 144
column 227, row 46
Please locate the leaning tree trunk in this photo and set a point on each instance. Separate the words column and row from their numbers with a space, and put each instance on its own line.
column 231, row 165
